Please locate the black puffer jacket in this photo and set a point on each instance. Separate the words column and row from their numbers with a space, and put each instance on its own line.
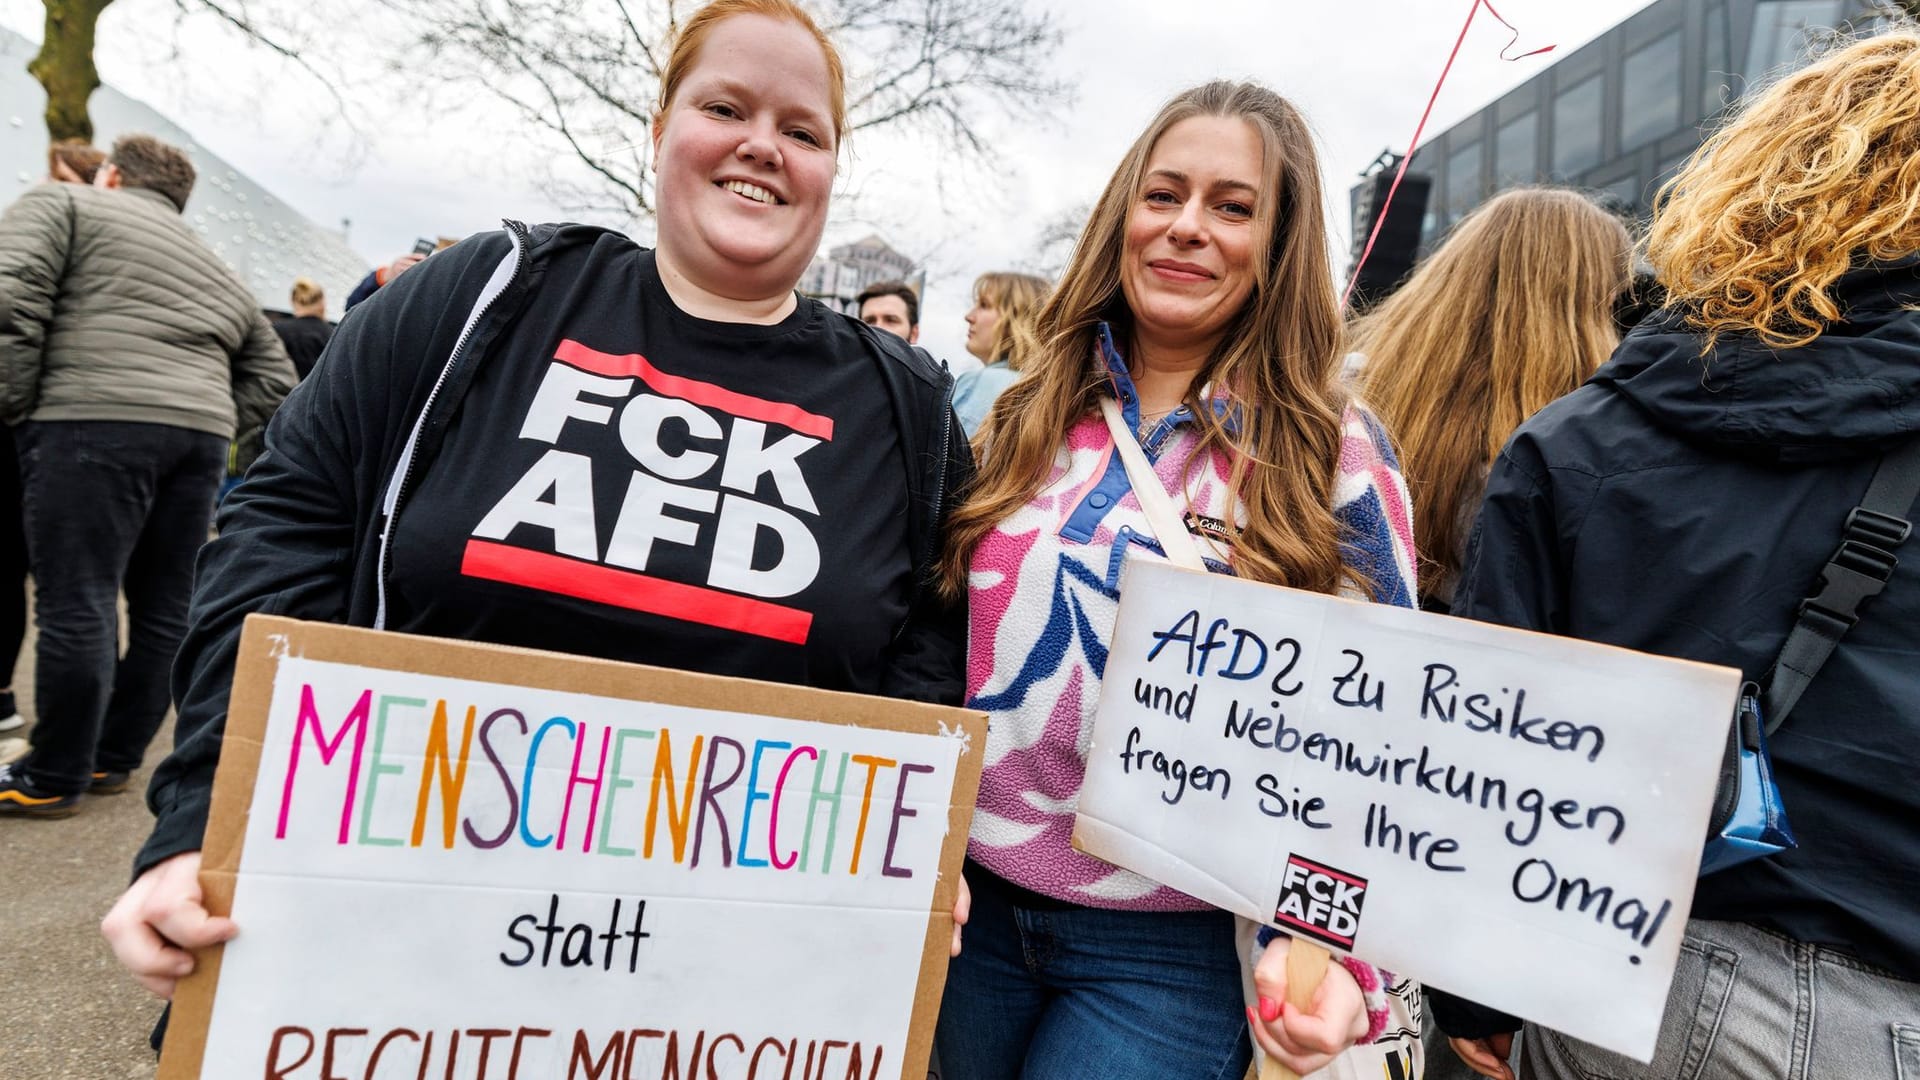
column 1685, row 506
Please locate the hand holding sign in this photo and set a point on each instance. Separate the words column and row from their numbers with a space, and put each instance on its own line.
column 158, row 919
column 581, row 868
column 1324, row 1012
column 962, row 907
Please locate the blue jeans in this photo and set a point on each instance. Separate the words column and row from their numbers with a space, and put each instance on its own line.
column 109, row 507
column 1749, row 1004
column 1044, row 994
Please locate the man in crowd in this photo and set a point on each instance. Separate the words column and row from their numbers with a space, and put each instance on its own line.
column 891, row 306
column 129, row 355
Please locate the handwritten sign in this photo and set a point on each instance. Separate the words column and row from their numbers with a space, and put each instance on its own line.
column 471, row 862
column 1513, row 817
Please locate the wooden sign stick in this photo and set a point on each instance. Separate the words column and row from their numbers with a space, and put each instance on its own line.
column 1306, row 967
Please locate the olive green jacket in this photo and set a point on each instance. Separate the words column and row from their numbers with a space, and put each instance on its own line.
column 111, row 308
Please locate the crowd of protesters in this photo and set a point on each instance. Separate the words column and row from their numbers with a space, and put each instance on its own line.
column 1524, row 433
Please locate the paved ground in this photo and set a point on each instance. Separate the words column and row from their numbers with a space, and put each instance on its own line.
column 68, row 1011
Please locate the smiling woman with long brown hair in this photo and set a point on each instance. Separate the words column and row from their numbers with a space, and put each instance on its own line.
column 1514, row 310
column 1198, row 309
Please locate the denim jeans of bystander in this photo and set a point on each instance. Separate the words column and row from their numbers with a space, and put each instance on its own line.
column 1750, row 1004
column 109, row 507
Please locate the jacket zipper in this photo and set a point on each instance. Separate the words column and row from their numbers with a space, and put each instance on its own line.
column 522, row 242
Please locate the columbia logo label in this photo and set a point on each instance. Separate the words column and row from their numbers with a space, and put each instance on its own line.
column 1320, row 902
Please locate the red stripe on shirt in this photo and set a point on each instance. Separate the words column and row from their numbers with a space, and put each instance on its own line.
column 636, row 592
column 700, row 393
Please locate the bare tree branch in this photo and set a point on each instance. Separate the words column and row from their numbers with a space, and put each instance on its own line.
column 654, row 67
column 238, row 15
column 946, row 69
column 587, row 73
column 557, row 121
column 65, row 68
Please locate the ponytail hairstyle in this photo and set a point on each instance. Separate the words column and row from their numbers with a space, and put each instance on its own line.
column 307, row 293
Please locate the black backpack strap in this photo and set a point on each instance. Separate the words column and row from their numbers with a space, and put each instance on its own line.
column 1856, row 573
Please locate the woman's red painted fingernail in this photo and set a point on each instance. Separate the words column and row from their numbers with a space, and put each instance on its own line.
column 1269, row 1009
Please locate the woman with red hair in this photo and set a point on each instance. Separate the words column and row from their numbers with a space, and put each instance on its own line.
column 461, row 425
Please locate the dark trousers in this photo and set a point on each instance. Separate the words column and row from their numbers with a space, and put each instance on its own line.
column 13, row 565
column 109, row 507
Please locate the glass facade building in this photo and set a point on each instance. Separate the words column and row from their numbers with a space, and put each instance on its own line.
column 1619, row 116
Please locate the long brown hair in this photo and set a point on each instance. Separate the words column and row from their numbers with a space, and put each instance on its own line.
column 1514, row 310
column 76, row 157
column 1811, row 174
column 1017, row 299
column 1275, row 362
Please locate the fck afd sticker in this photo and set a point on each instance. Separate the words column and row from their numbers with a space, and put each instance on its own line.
column 1320, row 902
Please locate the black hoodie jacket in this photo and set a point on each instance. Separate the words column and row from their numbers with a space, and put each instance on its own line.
column 1684, row 506
column 305, row 535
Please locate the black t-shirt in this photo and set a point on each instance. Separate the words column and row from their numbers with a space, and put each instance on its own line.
column 304, row 337
column 630, row 481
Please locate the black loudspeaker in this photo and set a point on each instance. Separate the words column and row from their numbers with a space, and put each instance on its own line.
column 1398, row 246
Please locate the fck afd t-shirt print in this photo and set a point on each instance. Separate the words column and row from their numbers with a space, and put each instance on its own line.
column 625, row 480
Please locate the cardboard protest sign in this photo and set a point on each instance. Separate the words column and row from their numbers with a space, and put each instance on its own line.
column 471, row 862
column 1513, row 817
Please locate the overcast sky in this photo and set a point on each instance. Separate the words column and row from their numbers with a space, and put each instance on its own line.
column 1360, row 71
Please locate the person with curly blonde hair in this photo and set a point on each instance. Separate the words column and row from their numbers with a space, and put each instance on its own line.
column 1685, row 500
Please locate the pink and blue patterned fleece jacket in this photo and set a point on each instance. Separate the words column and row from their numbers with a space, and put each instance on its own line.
column 1043, row 592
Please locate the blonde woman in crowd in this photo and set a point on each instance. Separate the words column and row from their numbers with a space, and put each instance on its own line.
column 1514, row 310
column 1000, row 334
column 1686, row 499
column 305, row 334
column 1199, row 306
